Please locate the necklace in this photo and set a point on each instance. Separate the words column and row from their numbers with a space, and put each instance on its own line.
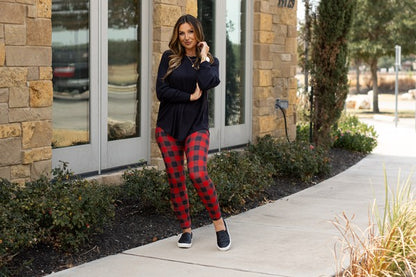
column 192, row 62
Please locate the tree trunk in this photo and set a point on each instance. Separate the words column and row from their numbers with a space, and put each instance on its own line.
column 373, row 66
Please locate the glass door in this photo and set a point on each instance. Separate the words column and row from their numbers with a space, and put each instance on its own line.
column 237, row 104
column 99, row 111
column 125, row 136
column 226, row 28
column 75, row 136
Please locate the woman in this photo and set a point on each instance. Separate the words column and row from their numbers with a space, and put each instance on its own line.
column 186, row 71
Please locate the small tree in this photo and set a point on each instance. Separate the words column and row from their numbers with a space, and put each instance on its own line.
column 329, row 65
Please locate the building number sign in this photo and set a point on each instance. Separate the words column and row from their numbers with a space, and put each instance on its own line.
column 286, row 4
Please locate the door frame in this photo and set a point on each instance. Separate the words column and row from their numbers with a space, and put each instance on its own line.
column 223, row 136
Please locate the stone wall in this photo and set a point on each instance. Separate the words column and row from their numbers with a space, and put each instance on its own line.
column 25, row 89
column 274, row 71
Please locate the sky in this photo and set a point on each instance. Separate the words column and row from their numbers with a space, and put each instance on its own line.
column 301, row 8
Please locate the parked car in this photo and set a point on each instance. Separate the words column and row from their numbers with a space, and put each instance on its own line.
column 70, row 69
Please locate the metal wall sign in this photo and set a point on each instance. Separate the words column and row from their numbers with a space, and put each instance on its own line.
column 286, row 4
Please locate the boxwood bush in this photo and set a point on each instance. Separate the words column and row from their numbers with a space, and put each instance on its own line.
column 237, row 176
column 68, row 210
column 147, row 186
column 17, row 229
column 351, row 134
column 63, row 212
column 297, row 159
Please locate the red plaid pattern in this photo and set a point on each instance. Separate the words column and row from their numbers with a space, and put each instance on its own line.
column 196, row 148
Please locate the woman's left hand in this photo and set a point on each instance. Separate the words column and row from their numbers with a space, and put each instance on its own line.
column 197, row 93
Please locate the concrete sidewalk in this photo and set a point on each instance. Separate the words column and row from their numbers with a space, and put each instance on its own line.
column 293, row 236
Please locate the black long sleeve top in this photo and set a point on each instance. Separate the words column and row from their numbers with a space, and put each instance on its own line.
column 178, row 116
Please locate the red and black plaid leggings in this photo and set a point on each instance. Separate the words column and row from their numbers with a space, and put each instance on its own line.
column 195, row 147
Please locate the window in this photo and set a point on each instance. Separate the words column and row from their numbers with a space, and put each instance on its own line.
column 70, row 65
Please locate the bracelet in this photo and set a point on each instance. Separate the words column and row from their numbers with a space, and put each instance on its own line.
column 206, row 59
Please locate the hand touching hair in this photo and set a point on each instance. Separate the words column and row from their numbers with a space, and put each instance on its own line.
column 178, row 51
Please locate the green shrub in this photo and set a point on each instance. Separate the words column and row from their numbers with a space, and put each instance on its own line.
column 147, row 186
column 62, row 212
column 17, row 229
column 68, row 209
column 297, row 159
column 354, row 135
column 239, row 177
column 302, row 131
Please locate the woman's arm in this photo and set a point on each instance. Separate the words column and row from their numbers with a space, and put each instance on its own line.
column 208, row 75
column 163, row 91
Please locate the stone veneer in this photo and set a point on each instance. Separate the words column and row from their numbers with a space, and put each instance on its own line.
column 274, row 68
column 25, row 89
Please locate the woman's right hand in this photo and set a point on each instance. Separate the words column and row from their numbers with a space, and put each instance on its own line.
column 204, row 48
column 197, row 93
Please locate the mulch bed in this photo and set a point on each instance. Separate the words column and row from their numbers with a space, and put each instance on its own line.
column 133, row 227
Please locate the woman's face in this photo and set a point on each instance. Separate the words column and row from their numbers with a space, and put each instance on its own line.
column 187, row 38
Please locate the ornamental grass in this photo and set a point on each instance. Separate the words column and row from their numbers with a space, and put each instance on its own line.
column 387, row 247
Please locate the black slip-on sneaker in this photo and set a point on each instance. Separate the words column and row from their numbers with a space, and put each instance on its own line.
column 223, row 239
column 185, row 241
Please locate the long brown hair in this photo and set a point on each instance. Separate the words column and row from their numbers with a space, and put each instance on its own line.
column 178, row 52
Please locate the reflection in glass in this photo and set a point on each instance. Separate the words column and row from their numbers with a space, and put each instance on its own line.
column 206, row 15
column 70, row 65
column 123, row 69
column 235, row 63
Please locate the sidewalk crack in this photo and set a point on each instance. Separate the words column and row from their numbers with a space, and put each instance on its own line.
column 205, row 265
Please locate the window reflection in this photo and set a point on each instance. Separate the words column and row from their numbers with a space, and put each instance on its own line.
column 123, row 69
column 70, row 65
column 235, row 64
column 206, row 15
